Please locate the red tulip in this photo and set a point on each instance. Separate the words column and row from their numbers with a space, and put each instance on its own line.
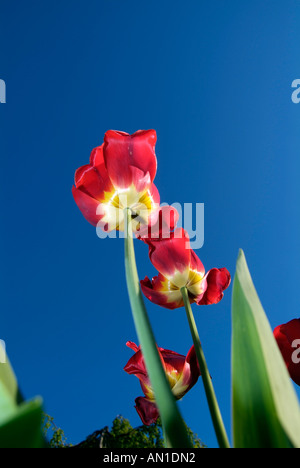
column 288, row 339
column 120, row 175
column 182, row 373
column 178, row 267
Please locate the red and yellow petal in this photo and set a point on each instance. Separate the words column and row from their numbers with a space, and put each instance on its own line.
column 171, row 257
column 188, row 376
column 160, row 292
column 174, row 365
column 191, row 371
column 196, row 264
column 172, row 359
column 130, row 159
column 88, row 180
column 145, row 207
column 197, row 283
column 182, row 373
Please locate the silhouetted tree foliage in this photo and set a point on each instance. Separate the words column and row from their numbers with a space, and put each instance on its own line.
column 121, row 435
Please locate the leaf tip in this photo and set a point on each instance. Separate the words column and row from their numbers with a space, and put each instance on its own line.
column 241, row 254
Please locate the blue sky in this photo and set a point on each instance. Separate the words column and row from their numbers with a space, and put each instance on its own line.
column 214, row 80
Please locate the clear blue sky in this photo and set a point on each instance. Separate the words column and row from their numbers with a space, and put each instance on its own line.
column 214, row 79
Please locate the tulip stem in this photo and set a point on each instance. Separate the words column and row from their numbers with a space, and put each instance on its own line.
column 175, row 430
column 206, row 378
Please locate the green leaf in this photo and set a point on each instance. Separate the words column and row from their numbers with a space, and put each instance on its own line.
column 22, row 429
column 9, row 381
column 266, row 412
column 20, row 422
column 175, row 430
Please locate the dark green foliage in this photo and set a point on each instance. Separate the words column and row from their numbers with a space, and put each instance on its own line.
column 58, row 439
column 121, row 435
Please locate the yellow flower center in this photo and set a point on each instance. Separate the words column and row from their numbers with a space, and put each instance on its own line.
column 140, row 203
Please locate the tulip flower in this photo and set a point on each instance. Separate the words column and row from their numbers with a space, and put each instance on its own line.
column 182, row 373
column 120, row 175
column 288, row 340
column 179, row 267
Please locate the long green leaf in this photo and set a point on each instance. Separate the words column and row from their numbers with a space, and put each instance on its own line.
column 174, row 426
column 266, row 412
column 22, row 427
column 8, row 379
column 20, row 422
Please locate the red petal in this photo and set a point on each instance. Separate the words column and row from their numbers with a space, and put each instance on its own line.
column 285, row 335
column 130, row 159
column 290, row 330
column 173, row 360
column 140, row 180
column 88, row 180
column 97, row 161
column 194, row 369
column 133, row 346
column 87, row 205
column 173, row 255
column 217, row 281
column 154, row 195
column 196, row 264
column 93, row 178
column 189, row 375
column 136, row 365
column 160, row 226
column 147, row 410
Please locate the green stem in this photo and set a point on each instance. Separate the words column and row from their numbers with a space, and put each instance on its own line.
column 173, row 425
column 209, row 390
